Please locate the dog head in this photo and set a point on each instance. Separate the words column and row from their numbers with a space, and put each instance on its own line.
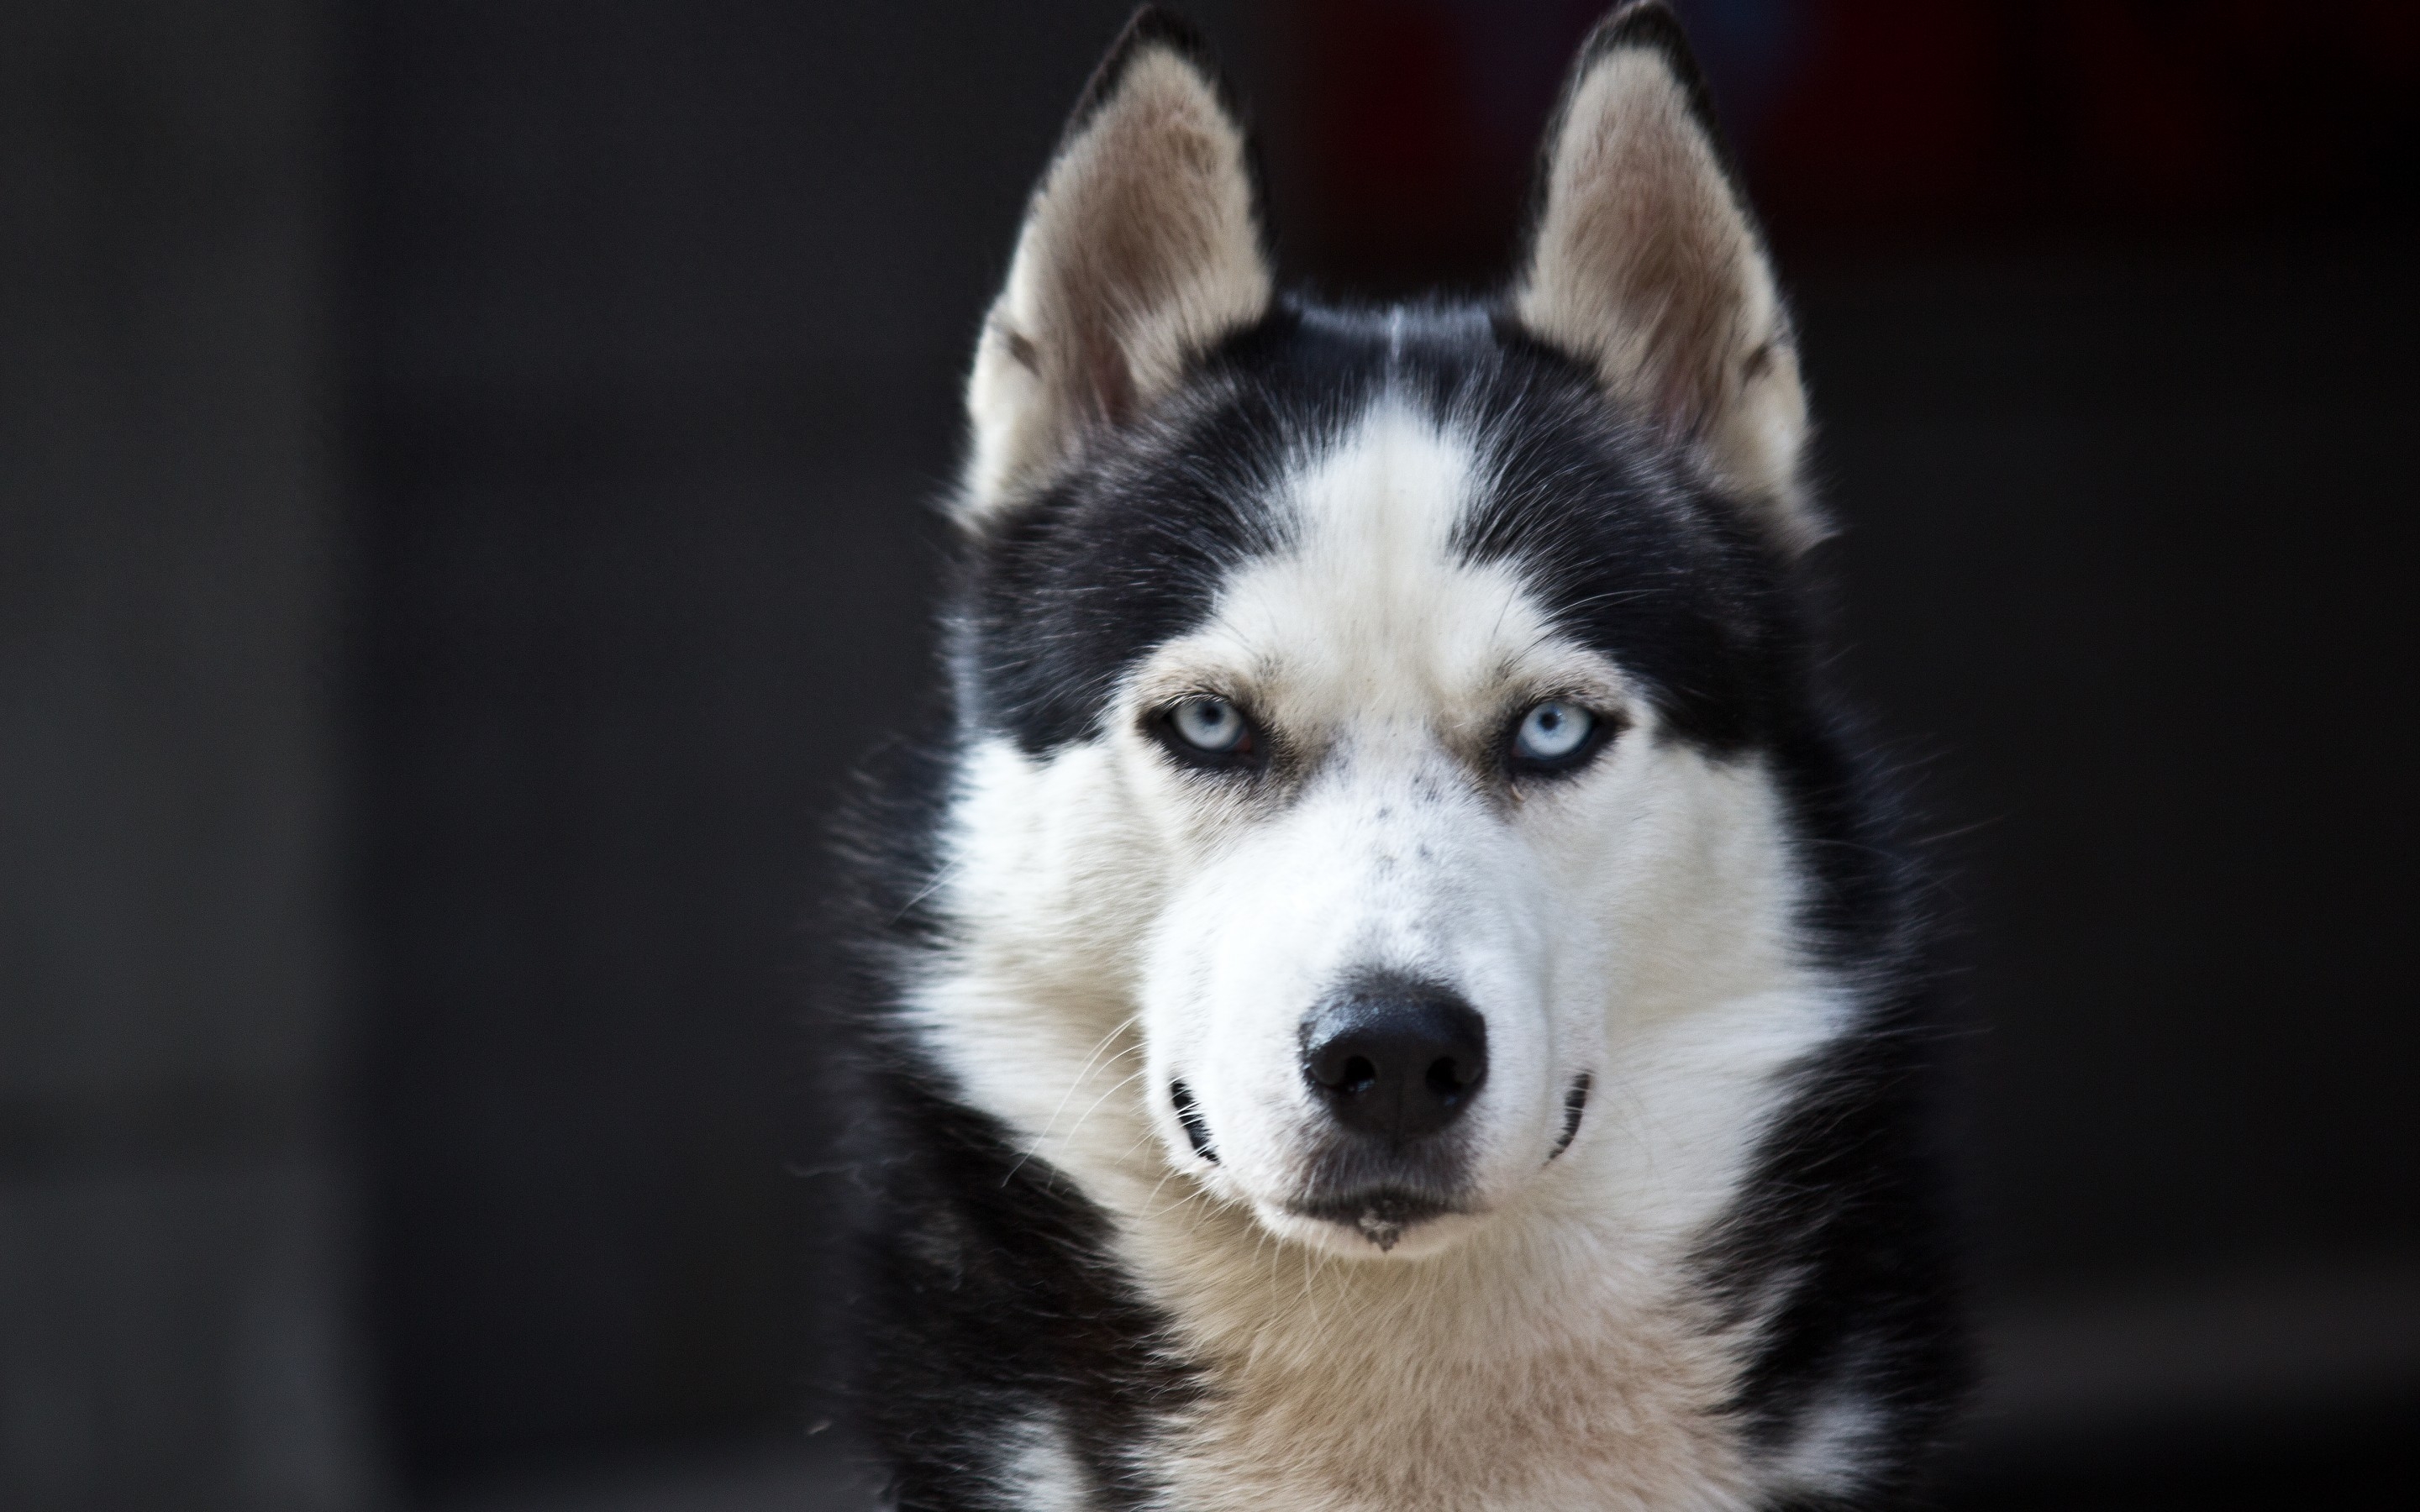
column 1365, row 714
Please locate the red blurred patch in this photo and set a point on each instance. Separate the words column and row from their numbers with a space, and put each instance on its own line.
column 1897, row 109
column 1902, row 119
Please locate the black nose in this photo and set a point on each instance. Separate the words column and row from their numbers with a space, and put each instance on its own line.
column 1395, row 1058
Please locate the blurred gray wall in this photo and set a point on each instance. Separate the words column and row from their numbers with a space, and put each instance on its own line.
column 659, row 319
column 173, row 987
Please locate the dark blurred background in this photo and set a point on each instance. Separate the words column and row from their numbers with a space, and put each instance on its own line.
column 465, row 484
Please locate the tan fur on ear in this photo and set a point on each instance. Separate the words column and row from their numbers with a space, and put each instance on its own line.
column 1645, row 264
column 1139, row 249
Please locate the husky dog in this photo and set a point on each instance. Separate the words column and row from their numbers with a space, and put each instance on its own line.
column 1391, row 988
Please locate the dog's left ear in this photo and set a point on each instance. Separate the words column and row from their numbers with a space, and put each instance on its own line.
column 1645, row 264
column 1141, row 248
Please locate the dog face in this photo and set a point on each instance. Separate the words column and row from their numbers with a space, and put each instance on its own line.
column 1364, row 713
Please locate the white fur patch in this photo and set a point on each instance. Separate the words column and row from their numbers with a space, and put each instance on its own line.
column 1042, row 1474
column 1834, row 1445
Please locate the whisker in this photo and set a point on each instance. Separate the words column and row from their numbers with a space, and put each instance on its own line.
column 939, row 878
column 1052, row 1122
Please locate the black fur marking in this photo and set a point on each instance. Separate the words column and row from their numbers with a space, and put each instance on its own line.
column 1197, row 1127
column 1630, row 554
column 1846, row 1208
column 991, row 1296
column 1575, row 1109
column 998, row 1305
column 1127, row 550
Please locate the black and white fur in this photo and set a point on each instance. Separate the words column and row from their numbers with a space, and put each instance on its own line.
column 1675, row 1243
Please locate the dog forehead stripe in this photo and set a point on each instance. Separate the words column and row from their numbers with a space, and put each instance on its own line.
column 1399, row 444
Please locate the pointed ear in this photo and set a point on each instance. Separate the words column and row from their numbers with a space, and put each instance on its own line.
column 1141, row 247
column 1644, row 263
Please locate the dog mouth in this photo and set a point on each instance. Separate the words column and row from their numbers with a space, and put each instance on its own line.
column 1382, row 1215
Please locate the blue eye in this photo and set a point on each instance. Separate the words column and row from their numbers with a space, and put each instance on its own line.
column 1210, row 725
column 1553, row 733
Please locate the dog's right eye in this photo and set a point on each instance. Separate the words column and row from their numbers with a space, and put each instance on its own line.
column 1209, row 727
column 1556, row 735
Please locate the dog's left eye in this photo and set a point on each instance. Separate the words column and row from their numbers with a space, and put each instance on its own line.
column 1553, row 734
column 1211, row 726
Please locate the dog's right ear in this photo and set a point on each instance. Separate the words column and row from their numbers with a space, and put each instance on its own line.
column 1141, row 246
column 1645, row 264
